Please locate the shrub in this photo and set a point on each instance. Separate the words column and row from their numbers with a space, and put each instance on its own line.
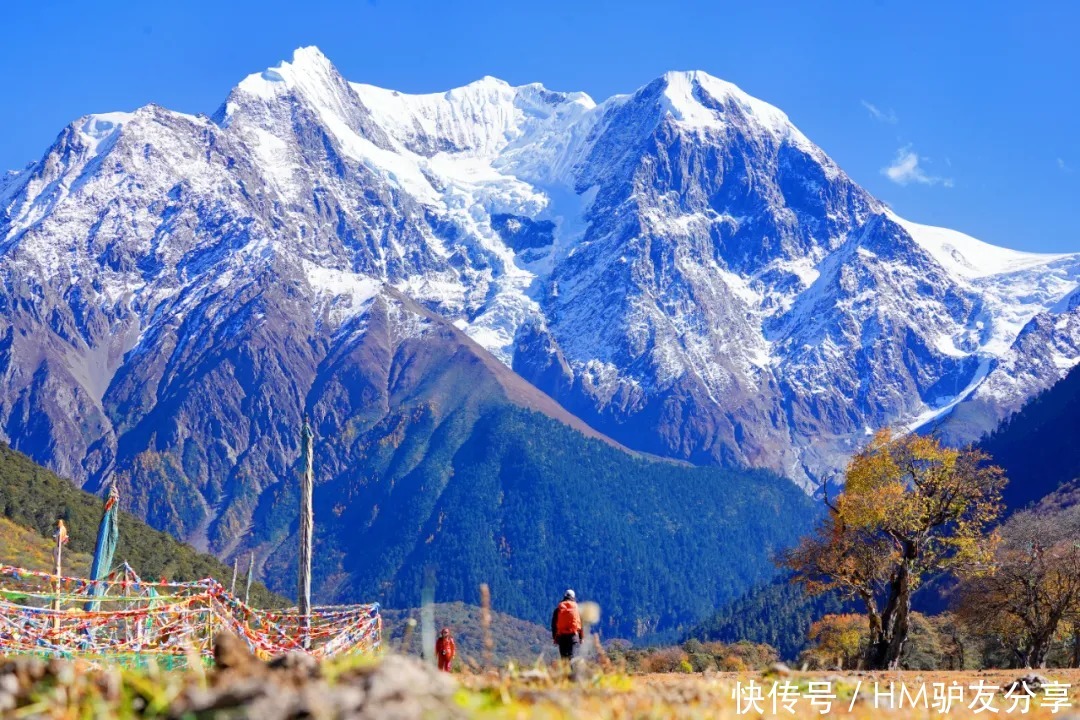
column 702, row 661
column 666, row 660
column 733, row 663
column 693, row 646
column 757, row 656
column 696, row 656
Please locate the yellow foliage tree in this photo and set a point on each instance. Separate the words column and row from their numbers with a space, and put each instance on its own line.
column 909, row 507
column 837, row 641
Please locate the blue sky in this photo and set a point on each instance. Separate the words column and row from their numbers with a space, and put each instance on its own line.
column 959, row 114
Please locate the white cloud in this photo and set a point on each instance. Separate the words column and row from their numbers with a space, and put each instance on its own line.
column 879, row 114
column 1064, row 166
column 905, row 170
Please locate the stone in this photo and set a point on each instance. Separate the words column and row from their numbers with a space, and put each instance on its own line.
column 1033, row 682
column 780, row 669
column 296, row 664
column 232, row 653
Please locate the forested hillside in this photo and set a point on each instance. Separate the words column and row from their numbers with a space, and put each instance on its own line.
column 527, row 505
column 32, row 498
column 778, row 613
column 27, row 548
column 1039, row 446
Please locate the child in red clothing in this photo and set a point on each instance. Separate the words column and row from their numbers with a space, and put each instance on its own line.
column 445, row 650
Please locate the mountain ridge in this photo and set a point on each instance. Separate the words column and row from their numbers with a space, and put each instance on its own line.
column 679, row 269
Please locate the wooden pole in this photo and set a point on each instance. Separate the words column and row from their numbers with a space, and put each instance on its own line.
column 307, row 524
column 485, row 626
column 124, row 592
column 61, row 536
column 232, row 586
column 251, row 571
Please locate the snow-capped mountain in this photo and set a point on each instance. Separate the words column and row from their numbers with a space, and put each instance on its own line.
column 680, row 268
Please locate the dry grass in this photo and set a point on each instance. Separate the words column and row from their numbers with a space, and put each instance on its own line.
column 711, row 695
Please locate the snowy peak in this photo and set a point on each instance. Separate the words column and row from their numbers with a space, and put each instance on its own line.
column 310, row 80
column 698, row 100
column 488, row 116
column 481, row 118
column 309, row 71
column 695, row 97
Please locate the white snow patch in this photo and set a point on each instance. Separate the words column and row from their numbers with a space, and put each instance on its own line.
column 946, row 345
column 348, row 294
column 404, row 324
column 967, row 257
column 802, row 268
column 96, row 130
column 274, row 156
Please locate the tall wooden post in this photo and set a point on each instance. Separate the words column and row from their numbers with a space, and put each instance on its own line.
column 485, row 626
column 251, row 571
column 125, row 583
column 232, row 585
column 307, row 524
column 61, row 538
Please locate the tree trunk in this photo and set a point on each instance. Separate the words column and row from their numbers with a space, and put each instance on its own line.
column 1033, row 655
column 888, row 643
column 1043, row 639
column 1076, row 648
column 1040, row 648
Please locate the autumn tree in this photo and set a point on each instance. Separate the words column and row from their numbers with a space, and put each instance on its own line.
column 910, row 507
column 837, row 641
column 1031, row 598
column 922, row 650
column 959, row 650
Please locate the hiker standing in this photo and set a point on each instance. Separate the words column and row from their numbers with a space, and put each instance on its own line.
column 445, row 650
column 566, row 629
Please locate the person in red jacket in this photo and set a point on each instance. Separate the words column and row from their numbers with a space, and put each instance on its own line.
column 566, row 628
column 445, row 650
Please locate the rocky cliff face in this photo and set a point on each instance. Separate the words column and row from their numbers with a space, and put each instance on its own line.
column 680, row 269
